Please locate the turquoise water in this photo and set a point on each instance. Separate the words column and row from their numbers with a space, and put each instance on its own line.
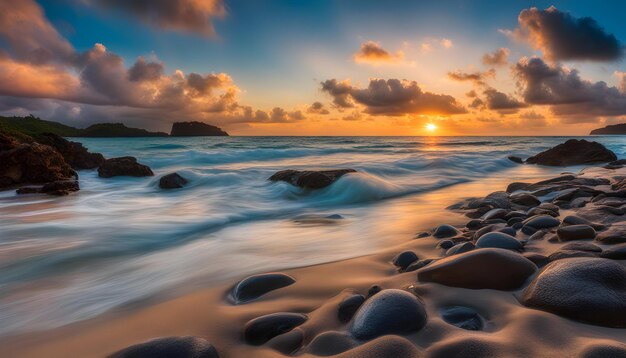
column 122, row 240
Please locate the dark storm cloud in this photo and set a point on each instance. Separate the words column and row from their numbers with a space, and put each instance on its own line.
column 565, row 91
column 195, row 16
column 560, row 36
column 499, row 101
column 392, row 97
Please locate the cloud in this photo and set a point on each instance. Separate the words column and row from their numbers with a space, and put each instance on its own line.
column 372, row 53
column 499, row 57
column 430, row 43
column 279, row 115
column 317, row 108
column 391, row 97
column 564, row 90
column 145, row 71
column 501, row 102
column 622, row 80
column 446, row 43
column 560, row 36
column 194, row 16
column 478, row 77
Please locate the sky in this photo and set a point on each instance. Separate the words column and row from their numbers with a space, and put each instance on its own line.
column 343, row 67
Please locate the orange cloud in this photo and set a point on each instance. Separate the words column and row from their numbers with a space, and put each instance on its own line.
column 500, row 57
column 372, row 53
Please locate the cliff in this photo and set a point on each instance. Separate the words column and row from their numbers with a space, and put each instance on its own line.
column 613, row 129
column 106, row 130
column 195, row 129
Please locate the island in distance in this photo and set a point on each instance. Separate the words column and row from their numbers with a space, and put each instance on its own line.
column 34, row 127
column 615, row 129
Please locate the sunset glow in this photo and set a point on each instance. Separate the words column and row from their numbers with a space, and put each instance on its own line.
column 431, row 127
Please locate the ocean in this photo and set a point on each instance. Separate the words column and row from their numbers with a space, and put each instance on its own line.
column 123, row 241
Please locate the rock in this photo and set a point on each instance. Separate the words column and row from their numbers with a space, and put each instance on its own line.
column 612, row 129
column 391, row 311
column 256, row 286
column 591, row 290
column 576, row 232
column 515, row 186
column 515, row 159
column 612, row 350
column 310, row 179
column 573, row 152
column 168, row 347
column 497, row 199
column 473, row 224
column 617, row 252
column 460, row 248
column 508, row 230
column 566, row 254
column 116, row 130
column 287, row 343
column 581, row 246
column 497, row 269
column 445, row 231
column 195, row 129
column 172, row 181
column 495, row 214
column 262, row 329
column 445, row 244
column 123, row 166
column 538, row 222
column 349, row 306
column 463, row 317
column 58, row 188
column 499, row 240
column 404, row 259
column 525, row 199
column 538, row 259
column 74, row 153
column 331, row 343
column 419, row 264
column 31, row 163
column 373, row 290
column 515, row 220
column 577, row 220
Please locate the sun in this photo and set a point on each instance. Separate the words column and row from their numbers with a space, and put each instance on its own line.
column 431, row 127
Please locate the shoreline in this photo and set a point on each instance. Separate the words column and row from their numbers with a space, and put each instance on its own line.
column 317, row 291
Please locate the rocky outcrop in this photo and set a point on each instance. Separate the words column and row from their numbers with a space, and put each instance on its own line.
column 195, row 129
column 58, row 188
column 31, row 163
column 172, row 181
column 123, row 166
column 310, row 179
column 115, row 130
column 615, row 129
column 573, row 152
column 74, row 153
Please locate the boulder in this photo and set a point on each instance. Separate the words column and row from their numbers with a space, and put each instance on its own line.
column 419, row 264
column 525, row 199
column 515, row 186
column 172, row 181
column 384, row 347
column 262, row 329
column 74, row 153
column 123, row 166
column 58, row 188
column 566, row 254
column 31, row 163
column 463, row 317
column 310, row 179
column 576, row 232
column 591, row 290
column 581, row 246
column 460, row 248
column 515, row 159
column 492, row 268
column 168, row 347
column 287, row 343
column 330, row 343
column 404, row 259
column 390, row 311
column 538, row 222
column 499, row 240
column 617, row 252
column 445, row 231
column 573, row 152
column 255, row 286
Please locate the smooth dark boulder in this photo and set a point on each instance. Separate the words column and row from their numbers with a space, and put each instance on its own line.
column 172, row 181
column 309, row 179
column 330, row 343
column 445, row 244
column 460, row 248
column 515, row 186
column 591, row 290
column 419, row 264
column 390, row 346
column 463, row 317
column 169, row 347
column 617, row 252
column 349, row 306
column 390, row 311
column 576, row 232
column 404, row 259
column 74, row 153
column 525, row 199
column 255, row 286
column 58, row 188
column 566, row 254
column 445, row 231
column 538, row 222
column 498, row 269
column 499, row 240
column 577, row 220
column 581, row 246
column 262, row 329
column 123, row 166
column 515, row 159
column 195, row 129
column 574, row 152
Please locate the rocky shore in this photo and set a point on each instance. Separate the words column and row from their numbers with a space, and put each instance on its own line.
column 538, row 269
